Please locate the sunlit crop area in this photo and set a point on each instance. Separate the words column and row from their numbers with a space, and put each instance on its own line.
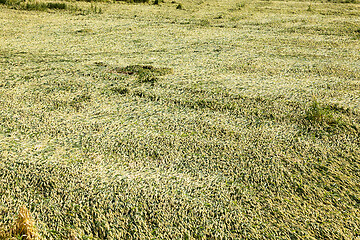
column 213, row 119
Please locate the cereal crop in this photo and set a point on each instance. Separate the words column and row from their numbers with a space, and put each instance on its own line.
column 219, row 119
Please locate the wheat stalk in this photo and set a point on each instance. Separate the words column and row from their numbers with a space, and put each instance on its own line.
column 24, row 225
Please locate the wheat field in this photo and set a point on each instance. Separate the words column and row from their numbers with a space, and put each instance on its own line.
column 219, row 119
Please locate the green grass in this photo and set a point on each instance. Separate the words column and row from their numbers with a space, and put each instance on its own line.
column 51, row 6
column 146, row 122
column 318, row 114
column 44, row 6
column 135, row 1
column 37, row 6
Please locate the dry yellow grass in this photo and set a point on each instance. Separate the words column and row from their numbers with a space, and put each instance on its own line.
column 23, row 228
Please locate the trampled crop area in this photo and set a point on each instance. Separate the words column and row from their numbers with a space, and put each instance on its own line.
column 218, row 119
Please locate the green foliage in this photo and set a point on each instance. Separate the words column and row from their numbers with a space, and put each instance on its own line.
column 120, row 90
column 320, row 115
column 204, row 22
column 135, row 1
column 95, row 9
column 145, row 73
column 157, row 2
column 37, row 6
column 45, row 6
column 238, row 6
column 357, row 33
column 315, row 113
column 147, row 76
column 13, row 3
column 309, row 9
column 56, row 5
